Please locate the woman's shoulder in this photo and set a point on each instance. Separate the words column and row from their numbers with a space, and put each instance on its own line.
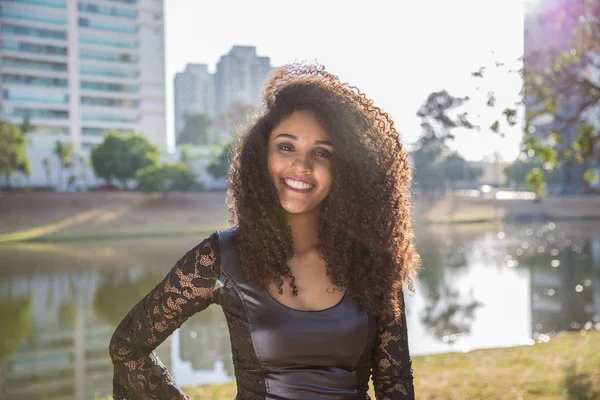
column 206, row 252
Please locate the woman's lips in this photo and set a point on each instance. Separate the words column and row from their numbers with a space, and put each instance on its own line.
column 295, row 189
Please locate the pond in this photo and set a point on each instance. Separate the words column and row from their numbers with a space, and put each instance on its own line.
column 481, row 286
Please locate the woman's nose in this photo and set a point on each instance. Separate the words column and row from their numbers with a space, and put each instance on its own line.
column 301, row 164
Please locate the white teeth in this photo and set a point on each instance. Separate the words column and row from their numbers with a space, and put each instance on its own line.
column 297, row 185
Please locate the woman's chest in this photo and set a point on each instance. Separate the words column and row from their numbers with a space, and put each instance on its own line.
column 282, row 336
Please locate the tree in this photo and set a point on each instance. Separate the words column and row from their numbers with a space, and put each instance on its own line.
column 455, row 168
column 166, row 178
column 64, row 152
column 13, row 155
column 561, row 93
column 439, row 119
column 120, row 156
column 195, row 129
column 18, row 312
column 517, row 173
column 118, row 294
column 26, row 126
column 233, row 120
column 47, row 170
column 220, row 165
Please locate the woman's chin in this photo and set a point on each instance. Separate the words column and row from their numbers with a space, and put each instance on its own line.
column 296, row 208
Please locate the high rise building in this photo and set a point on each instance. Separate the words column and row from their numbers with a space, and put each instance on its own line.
column 78, row 69
column 194, row 93
column 240, row 77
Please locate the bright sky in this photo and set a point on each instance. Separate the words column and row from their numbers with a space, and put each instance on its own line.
column 396, row 51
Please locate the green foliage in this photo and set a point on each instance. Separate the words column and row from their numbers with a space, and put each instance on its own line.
column 16, row 324
column 534, row 181
column 562, row 86
column 64, row 152
column 166, row 178
column 26, row 126
column 219, row 166
column 456, row 168
column 117, row 295
column 516, row 173
column 590, row 176
column 13, row 155
column 195, row 129
column 120, row 156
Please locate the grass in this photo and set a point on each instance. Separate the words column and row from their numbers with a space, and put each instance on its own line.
column 568, row 367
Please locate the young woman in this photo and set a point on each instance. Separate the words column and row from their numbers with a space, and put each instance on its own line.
column 310, row 275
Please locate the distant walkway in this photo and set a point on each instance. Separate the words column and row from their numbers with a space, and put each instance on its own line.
column 67, row 216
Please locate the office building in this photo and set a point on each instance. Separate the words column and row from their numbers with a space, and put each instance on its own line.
column 194, row 93
column 78, row 69
column 240, row 77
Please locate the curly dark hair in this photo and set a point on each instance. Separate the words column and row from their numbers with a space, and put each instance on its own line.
column 365, row 235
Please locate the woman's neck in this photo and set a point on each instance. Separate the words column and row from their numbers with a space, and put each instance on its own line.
column 305, row 228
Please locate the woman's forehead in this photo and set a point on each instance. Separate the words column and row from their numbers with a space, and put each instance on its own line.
column 300, row 125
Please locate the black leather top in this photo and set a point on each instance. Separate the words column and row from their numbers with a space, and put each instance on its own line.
column 304, row 354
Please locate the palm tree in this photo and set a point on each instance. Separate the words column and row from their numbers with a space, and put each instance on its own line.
column 47, row 170
column 64, row 152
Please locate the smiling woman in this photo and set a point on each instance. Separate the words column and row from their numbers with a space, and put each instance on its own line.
column 310, row 275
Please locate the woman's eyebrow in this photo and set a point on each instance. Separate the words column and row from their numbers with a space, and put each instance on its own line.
column 293, row 137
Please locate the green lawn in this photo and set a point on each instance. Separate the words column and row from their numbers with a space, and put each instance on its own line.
column 568, row 367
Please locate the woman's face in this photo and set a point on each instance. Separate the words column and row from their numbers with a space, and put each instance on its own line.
column 299, row 161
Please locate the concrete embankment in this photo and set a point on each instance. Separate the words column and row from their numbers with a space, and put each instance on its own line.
column 60, row 216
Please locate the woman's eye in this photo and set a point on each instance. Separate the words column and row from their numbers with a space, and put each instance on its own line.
column 318, row 153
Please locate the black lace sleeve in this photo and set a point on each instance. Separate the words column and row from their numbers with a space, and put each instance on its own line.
column 185, row 290
column 392, row 366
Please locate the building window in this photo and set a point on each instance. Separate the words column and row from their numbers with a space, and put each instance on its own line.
column 104, row 26
column 34, row 96
column 34, row 32
column 111, row 11
column 104, row 71
column 102, row 102
column 101, row 56
column 37, row 65
column 125, row 1
column 110, row 87
column 34, row 48
column 99, row 131
column 101, row 41
column 34, row 80
column 45, row 3
column 10, row 14
column 20, row 112
column 108, row 118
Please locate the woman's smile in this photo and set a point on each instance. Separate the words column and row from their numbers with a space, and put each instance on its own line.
column 297, row 185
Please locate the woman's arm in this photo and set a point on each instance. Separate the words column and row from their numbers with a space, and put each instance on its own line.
column 185, row 290
column 392, row 366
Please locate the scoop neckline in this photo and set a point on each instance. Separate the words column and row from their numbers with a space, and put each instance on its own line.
column 306, row 311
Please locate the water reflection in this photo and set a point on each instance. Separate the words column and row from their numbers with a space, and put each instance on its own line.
column 481, row 286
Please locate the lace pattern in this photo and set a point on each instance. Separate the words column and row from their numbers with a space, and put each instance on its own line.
column 392, row 366
column 186, row 290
